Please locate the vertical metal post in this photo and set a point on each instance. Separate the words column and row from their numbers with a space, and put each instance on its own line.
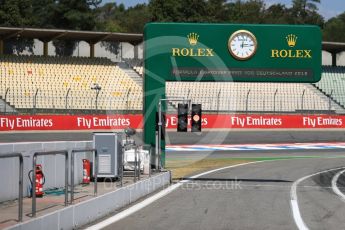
column 34, row 161
column 159, row 134
column 302, row 105
column 135, row 164
column 35, row 101
column 330, row 100
column 66, row 179
column 20, row 200
column 8, row 89
column 122, row 164
column 247, row 100
column 66, row 98
column 156, row 153
column 72, row 170
column 33, row 189
column 127, row 98
column 20, row 182
column 159, row 166
column 218, row 100
column 72, row 177
column 139, row 161
column 274, row 100
column 96, row 173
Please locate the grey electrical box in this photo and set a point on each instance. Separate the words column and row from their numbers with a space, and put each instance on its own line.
column 109, row 149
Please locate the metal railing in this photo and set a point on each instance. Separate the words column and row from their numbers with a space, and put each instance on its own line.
column 20, row 190
column 74, row 151
column 34, row 161
column 246, row 100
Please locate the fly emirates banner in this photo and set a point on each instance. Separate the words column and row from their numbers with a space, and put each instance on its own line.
column 209, row 121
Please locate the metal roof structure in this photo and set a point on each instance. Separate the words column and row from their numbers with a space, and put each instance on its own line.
column 46, row 35
column 93, row 37
column 333, row 47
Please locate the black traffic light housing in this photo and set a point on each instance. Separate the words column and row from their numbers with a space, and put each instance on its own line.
column 182, row 117
column 196, row 117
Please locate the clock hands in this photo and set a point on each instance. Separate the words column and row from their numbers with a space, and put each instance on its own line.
column 246, row 45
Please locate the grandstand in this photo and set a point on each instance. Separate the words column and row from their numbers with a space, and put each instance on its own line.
column 256, row 97
column 49, row 84
column 65, row 83
column 332, row 83
column 52, row 84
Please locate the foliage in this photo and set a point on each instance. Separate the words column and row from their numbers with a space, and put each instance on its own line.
column 112, row 17
column 334, row 29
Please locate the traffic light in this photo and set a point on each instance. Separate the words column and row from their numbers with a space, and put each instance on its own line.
column 196, row 117
column 182, row 117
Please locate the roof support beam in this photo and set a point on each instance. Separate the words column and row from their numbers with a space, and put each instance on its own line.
column 45, row 48
column 92, row 50
column 14, row 34
column 334, row 58
column 1, row 47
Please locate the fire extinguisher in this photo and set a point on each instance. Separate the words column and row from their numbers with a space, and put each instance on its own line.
column 86, row 171
column 40, row 180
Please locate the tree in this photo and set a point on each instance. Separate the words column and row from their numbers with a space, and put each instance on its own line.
column 305, row 12
column 276, row 14
column 217, row 11
column 166, row 10
column 74, row 15
column 334, row 29
column 251, row 11
column 193, row 11
column 17, row 13
column 135, row 18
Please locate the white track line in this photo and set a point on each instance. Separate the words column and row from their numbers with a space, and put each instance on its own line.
column 335, row 188
column 294, row 202
column 155, row 197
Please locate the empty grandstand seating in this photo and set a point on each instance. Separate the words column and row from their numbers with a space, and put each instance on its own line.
column 254, row 97
column 60, row 83
column 332, row 83
column 136, row 64
column 66, row 83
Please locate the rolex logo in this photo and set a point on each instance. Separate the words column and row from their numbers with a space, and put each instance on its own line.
column 192, row 51
column 291, row 40
column 193, row 38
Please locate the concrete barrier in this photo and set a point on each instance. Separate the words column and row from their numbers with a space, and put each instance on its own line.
column 86, row 212
column 52, row 165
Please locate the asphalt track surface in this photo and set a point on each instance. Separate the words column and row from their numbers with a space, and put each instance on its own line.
column 254, row 196
column 218, row 137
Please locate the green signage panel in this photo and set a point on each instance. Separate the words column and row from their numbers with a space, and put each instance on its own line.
column 224, row 52
column 232, row 52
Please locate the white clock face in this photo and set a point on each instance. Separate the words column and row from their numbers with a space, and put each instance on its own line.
column 242, row 45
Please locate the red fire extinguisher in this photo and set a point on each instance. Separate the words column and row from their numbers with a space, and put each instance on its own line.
column 40, row 180
column 86, row 171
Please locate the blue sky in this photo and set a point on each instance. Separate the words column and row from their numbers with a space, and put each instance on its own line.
column 328, row 8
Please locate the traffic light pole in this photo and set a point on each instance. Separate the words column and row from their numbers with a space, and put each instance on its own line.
column 159, row 163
